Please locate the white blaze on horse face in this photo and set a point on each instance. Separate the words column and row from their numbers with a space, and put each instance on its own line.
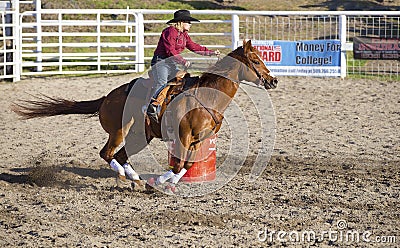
column 271, row 74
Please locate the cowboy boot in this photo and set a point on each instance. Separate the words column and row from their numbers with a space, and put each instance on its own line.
column 152, row 109
column 155, row 105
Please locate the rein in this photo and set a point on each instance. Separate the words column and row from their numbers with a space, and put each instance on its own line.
column 258, row 74
column 252, row 85
column 215, row 118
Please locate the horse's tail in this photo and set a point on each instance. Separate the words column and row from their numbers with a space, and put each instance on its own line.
column 49, row 106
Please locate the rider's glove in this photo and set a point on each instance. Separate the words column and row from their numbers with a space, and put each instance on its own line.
column 187, row 64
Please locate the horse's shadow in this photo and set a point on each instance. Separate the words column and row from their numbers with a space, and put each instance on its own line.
column 49, row 175
column 11, row 178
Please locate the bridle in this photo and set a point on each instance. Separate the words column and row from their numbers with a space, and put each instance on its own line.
column 254, row 69
column 258, row 74
column 273, row 81
column 262, row 80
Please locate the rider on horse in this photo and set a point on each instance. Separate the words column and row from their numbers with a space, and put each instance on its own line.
column 173, row 41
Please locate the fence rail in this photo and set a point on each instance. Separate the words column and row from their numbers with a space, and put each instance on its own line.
column 9, row 63
column 76, row 41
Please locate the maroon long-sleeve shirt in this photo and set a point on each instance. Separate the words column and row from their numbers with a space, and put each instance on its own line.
column 172, row 42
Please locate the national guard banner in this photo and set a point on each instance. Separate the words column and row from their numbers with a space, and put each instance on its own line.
column 376, row 48
column 301, row 58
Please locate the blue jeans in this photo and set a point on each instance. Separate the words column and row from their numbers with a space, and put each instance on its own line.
column 163, row 71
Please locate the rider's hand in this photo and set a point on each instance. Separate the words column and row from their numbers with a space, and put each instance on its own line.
column 187, row 64
column 217, row 52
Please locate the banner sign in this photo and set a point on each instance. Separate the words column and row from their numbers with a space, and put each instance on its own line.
column 376, row 48
column 301, row 58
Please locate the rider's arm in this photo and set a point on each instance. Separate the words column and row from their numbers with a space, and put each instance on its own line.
column 194, row 47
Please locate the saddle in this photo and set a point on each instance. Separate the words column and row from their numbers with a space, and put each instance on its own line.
column 173, row 88
column 181, row 82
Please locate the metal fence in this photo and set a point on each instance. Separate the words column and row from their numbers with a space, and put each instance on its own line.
column 79, row 41
column 329, row 25
column 76, row 41
column 374, row 26
column 9, row 63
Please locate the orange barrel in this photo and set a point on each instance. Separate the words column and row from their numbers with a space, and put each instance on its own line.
column 204, row 168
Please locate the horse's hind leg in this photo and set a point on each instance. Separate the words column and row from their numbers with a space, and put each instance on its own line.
column 135, row 144
column 107, row 153
column 122, row 158
column 135, row 141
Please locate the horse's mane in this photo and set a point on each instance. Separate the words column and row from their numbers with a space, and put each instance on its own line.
column 223, row 66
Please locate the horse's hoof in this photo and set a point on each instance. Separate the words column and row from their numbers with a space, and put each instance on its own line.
column 170, row 189
column 121, row 180
column 139, row 185
column 149, row 188
column 151, row 181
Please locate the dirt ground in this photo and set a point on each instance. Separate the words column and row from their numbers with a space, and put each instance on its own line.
column 334, row 172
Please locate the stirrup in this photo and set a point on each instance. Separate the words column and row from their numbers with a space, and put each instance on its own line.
column 152, row 112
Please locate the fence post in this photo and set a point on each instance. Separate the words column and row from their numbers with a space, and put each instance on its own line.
column 15, row 41
column 140, row 43
column 98, row 20
column 38, row 8
column 343, row 38
column 235, row 31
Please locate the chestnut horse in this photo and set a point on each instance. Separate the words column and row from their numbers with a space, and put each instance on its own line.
column 195, row 114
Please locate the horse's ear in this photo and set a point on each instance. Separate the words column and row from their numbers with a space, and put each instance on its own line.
column 249, row 43
column 247, row 46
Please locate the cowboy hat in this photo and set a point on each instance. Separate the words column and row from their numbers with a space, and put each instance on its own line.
column 182, row 16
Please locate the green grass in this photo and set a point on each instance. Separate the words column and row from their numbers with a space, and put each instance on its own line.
column 351, row 60
column 231, row 4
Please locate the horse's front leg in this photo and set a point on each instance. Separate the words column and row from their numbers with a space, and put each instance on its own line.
column 183, row 155
column 184, row 165
column 174, row 174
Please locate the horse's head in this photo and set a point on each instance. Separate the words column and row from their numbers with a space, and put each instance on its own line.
column 255, row 70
